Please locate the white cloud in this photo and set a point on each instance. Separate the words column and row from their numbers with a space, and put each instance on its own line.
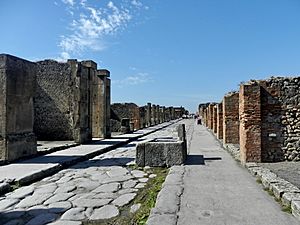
column 136, row 79
column 90, row 25
column 69, row 2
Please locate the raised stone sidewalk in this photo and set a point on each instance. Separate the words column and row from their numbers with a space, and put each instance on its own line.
column 30, row 170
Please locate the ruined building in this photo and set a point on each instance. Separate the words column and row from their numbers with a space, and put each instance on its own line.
column 263, row 119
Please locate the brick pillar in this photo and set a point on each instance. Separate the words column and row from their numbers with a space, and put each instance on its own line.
column 148, row 115
column 220, row 121
column 231, row 118
column 17, row 86
column 250, row 122
column 215, row 120
column 210, row 116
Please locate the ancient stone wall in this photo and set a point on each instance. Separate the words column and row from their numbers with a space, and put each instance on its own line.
column 63, row 109
column 220, row 121
column 215, row 119
column 124, row 110
column 143, row 116
column 231, row 118
column 17, row 86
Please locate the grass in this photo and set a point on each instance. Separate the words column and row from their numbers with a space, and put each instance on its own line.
column 145, row 196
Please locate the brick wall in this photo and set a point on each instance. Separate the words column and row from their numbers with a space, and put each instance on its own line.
column 231, row 118
column 220, row 121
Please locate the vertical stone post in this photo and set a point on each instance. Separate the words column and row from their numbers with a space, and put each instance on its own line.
column 250, row 122
column 231, row 118
column 148, row 115
column 210, row 116
column 153, row 109
column 157, row 114
column 164, row 115
column 172, row 113
column 215, row 120
column 220, row 120
column 101, row 104
column 17, row 87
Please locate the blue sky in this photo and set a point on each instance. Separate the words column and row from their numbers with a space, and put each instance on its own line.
column 168, row 52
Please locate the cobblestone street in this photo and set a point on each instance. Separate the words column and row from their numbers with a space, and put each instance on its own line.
column 90, row 190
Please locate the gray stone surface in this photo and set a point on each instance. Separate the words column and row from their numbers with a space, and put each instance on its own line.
column 41, row 219
column 111, row 187
column 74, row 194
column 74, row 214
column 65, row 222
column 134, row 208
column 124, row 199
column 6, row 203
column 215, row 191
column 105, row 212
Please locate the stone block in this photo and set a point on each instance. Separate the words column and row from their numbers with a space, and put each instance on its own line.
column 161, row 153
column 17, row 86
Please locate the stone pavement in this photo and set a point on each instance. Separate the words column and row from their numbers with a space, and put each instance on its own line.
column 213, row 189
column 27, row 171
column 92, row 189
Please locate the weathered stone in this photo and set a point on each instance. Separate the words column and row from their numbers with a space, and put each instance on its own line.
column 15, row 222
column 296, row 208
column 17, row 85
column 65, row 189
column 21, row 192
column 111, row 187
column 134, row 208
column 124, row 199
column 139, row 186
column 143, row 180
column 127, row 190
column 65, row 222
column 59, row 207
column 91, row 203
column 58, row 198
column 157, row 219
column 37, row 210
column 74, row 214
column 6, row 203
column 35, row 199
column 288, row 197
column 44, row 218
column 129, row 184
column 105, row 212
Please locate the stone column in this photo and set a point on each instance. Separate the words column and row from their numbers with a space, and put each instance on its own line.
column 101, row 105
column 231, row 118
column 17, row 87
column 172, row 113
column 157, row 114
column 148, row 115
column 215, row 120
column 153, row 109
column 164, row 115
column 220, row 120
column 210, row 116
column 250, row 122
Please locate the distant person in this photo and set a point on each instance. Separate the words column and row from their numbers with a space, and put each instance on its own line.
column 199, row 121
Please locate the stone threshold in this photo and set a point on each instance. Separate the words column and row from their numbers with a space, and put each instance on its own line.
column 25, row 172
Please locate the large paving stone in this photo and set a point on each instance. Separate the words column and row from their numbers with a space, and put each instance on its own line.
column 59, row 207
column 127, row 190
column 129, row 184
column 134, row 208
column 59, row 197
column 105, row 212
column 288, row 197
column 91, row 203
column 35, row 199
column 21, row 192
column 117, row 171
column 65, row 222
column 111, row 187
column 47, row 188
column 65, row 189
column 37, row 210
column 74, row 214
column 42, row 219
column 6, row 203
column 124, row 199
column 138, row 173
column 296, row 208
